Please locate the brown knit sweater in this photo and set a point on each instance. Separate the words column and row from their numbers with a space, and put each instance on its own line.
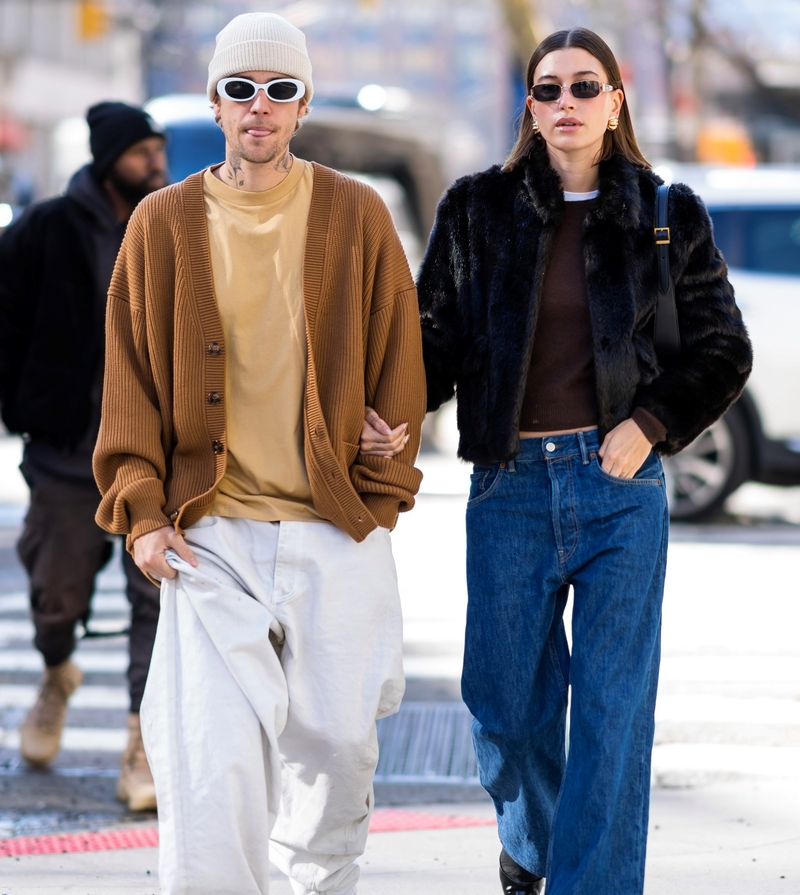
column 162, row 449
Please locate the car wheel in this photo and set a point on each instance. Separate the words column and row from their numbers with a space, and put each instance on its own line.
column 703, row 474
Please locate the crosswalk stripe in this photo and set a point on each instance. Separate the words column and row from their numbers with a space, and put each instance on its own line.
column 441, row 667
column 439, row 632
column 94, row 660
column 85, row 697
column 710, row 669
column 102, row 603
column 723, row 758
column 13, row 601
column 730, row 668
column 726, row 710
column 77, row 739
column 17, row 629
column 22, row 629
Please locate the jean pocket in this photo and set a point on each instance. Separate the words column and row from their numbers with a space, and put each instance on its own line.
column 484, row 481
column 651, row 472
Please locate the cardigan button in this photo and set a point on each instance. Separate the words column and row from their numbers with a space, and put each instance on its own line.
column 173, row 515
column 215, row 349
column 214, row 398
column 217, row 446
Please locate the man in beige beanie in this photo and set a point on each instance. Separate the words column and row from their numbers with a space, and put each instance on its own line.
column 255, row 309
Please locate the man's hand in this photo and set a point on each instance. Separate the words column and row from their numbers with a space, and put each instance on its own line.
column 378, row 439
column 624, row 450
column 149, row 549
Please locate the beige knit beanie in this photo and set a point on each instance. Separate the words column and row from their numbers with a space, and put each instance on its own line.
column 260, row 41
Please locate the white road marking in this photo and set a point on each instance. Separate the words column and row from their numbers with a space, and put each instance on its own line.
column 77, row 739
column 441, row 667
column 17, row 629
column 85, row 697
column 717, row 669
column 94, row 660
column 730, row 668
column 724, row 710
column 758, row 761
column 101, row 602
column 22, row 629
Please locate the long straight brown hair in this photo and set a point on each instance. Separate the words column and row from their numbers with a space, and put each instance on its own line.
column 622, row 141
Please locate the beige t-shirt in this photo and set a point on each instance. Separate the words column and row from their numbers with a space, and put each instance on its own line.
column 257, row 242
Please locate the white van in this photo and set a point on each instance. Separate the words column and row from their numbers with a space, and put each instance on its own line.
column 756, row 215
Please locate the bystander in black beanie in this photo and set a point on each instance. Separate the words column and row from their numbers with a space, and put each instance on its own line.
column 113, row 128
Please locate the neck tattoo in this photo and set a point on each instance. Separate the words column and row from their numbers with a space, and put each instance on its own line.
column 283, row 164
column 233, row 170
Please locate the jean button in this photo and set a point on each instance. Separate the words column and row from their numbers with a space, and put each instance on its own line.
column 550, row 447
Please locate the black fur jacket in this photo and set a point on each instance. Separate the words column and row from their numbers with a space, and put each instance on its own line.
column 480, row 285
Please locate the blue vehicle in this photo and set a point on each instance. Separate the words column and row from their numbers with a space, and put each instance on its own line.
column 194, row 141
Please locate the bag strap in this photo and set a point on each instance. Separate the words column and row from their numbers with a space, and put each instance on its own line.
column 666, row 334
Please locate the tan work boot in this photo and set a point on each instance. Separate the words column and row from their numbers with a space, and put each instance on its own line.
column 136, row 785
column 40, row 734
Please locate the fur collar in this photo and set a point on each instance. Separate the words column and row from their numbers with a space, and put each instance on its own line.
column 620, row 197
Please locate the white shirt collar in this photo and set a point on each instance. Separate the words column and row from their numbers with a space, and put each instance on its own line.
column 580, row 197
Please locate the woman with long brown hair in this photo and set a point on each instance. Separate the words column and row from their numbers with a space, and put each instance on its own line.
column 537, row 296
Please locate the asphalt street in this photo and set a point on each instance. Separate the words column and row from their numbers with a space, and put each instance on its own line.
column 726, row 766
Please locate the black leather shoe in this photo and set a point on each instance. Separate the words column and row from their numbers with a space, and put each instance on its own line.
column 512, row 888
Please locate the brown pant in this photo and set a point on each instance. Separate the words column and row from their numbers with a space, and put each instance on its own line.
column 63, row 549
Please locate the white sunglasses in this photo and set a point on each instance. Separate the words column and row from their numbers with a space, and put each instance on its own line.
column 243, row 90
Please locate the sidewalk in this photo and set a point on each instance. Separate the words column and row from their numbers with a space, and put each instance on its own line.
column 734, row 838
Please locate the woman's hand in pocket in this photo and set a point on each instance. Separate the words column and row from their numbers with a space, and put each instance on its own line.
column 624, row 450
column 378, row 439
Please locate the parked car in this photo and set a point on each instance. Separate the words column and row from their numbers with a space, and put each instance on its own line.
column 756, row 216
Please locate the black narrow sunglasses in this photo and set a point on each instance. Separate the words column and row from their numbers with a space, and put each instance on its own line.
column 549, row 93
column 281, row 90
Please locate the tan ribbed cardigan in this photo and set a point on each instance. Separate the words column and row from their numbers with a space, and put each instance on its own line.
column 162, row 448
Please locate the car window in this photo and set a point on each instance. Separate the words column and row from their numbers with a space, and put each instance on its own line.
column 760, row 239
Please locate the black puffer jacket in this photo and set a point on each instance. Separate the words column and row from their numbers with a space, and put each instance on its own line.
column 55, row 265
column 480, row 287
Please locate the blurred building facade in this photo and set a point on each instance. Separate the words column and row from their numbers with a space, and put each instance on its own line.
column 57, row 57
column 707, row 79
column 714, row 80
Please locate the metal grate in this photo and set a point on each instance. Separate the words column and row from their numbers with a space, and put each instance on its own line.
column 427, row 742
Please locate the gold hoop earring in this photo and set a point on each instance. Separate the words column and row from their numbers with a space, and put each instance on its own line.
column 613, row 123
column 535, row 126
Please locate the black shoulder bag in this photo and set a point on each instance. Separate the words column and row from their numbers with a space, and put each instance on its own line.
column 666, row 334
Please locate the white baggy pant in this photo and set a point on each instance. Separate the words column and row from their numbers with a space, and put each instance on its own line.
column 273, row 660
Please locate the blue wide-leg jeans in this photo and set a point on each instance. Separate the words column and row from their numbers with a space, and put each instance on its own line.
column 549, row 519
